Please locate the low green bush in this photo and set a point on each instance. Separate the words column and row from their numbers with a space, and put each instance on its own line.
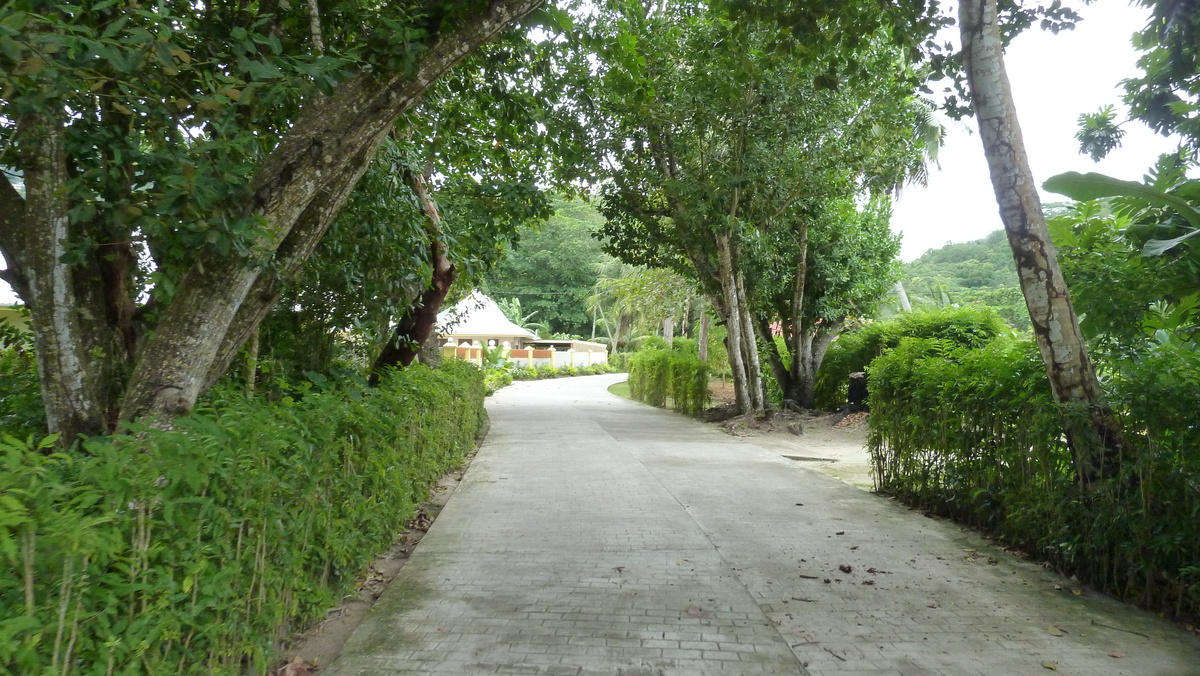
column 661, row 374
column 202, row 549
column 974, row 434
column 495, row 379
column 21, row 411
column 970, row 326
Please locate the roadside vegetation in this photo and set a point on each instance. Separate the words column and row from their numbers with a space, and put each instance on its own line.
column 232, row 228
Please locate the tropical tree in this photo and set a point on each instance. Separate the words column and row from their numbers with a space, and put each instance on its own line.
column 849, row 265
column 553, row 265
column 719, row 155
column 193, row 155
column 511, row 307
column 1092, row 429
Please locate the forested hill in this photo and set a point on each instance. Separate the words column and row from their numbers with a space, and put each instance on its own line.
column 979, row 272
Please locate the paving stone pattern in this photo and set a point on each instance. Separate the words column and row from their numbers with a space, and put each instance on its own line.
column 593, row 535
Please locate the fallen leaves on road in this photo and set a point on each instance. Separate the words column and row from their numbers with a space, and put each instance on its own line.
column 296, row 667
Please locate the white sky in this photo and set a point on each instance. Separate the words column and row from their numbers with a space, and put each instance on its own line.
column 1054, row 79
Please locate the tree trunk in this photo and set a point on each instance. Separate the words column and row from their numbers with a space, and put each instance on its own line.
column 702, row 337
column 668, row 330
column 78, row 354
column 430, row 353
column 902, row 297
column 783, row 376
column 733, row 323
column 419, row 324
column 758, row 393
column 321, row 157
column 1092, row 430
column 252, row 363
column 817, row 346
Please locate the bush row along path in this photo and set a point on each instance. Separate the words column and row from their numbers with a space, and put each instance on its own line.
column 594, row 535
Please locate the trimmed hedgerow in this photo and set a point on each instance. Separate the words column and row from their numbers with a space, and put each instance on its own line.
column 852, row 352
column 656, row 375
column 201, row 549
column 974, row 434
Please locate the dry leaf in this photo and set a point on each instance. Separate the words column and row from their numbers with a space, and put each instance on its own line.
column 1055, row 631
column 296, row 667
column 1052, row 666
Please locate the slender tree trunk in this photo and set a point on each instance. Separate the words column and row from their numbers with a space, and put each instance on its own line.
column 252, row 363
column 418, row 326
column 758, row 394
column 668, row 330
column 902, row 297
column 779, row 369
column 798, row 290
column 702, row 338
column 733, row 323
column 817, row 346
column 1092, row 429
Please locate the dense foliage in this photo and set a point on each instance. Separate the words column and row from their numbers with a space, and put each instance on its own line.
column 21, row 411
column 972, row 433
column 494, row 379
column 198, row 550
column 967, row 327
column 676, row 374
column 553, row 268
column 980, row 272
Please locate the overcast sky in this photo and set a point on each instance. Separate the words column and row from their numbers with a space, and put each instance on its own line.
column 1054, row 79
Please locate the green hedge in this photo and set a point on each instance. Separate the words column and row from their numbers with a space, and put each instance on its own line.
column 657, row 375
column 21, row 409
column 199, row 550
column 973, row 434
column 853, row 351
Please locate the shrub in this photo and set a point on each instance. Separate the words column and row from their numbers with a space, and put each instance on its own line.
column 974, row 434
column 197, row 550
column 495, row 379
column 853, row 352
column 658, row 375
column 22, row 414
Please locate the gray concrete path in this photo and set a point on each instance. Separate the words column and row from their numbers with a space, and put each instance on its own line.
column 593, row 535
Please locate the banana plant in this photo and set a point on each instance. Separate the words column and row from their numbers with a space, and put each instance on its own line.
column 1180, row 200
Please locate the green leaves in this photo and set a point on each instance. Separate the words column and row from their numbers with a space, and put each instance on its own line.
column 1093, row 186
column 247, row 518
column 972, row 433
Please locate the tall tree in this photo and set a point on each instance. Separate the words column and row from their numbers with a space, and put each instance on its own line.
column 217, row 141
column 552, row 267
column 847, row 264
column 722, row 148
column 1092, row 430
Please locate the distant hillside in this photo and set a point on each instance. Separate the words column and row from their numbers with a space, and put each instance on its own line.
column 980, row 272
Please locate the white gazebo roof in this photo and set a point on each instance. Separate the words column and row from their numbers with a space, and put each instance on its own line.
column 478, row 316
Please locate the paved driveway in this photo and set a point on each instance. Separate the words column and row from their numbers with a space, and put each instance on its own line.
column 593, row 535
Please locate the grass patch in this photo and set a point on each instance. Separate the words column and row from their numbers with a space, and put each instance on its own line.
column 621, row 389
